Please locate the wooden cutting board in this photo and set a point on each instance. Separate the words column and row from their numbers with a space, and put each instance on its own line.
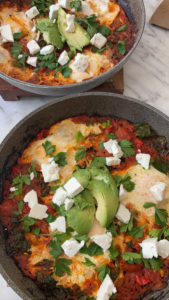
column 161, row 15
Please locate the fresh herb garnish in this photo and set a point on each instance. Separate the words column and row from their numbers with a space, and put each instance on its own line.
column 56, row 248
column 101, row 145
column 136, row 232
column 54, row 188
column 110, row 44
column 90, row 23
column 16, row 50
column 121, row 46
column 36, row 231
column 81, row 153
column 79, row 136
column 60, row 158
column 17, row 35
column 92, row 250
column 106, row 124
column 122, row 28
column 102, row 272
column 51, row 218
column 111, row 135
column 27, row 223
column 104, row 30
column 153, row 263
column 149, row 204
column 136, row 258
column 18, row 182
column 142, row 130
column 156, row 233
column 98, row 162
column 76, row 4
column 49, row 148
column 61, row 266
column 127, row 227
column 21, row 62
column 113, row 252
column 161, row 215
column 80, row 238
column 132, row 258
column 20, row 204
column 127, row 148
column 113, row 229
column 42, row 5
column 88, row 262
column 47, row 61
column 125, row 181
column 97, row 50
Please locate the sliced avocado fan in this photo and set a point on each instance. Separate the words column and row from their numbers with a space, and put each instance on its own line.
column 77, row 39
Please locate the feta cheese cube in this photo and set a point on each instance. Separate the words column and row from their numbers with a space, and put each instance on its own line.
column 59, row 197
column 53, row 11
column 64, row 3
column 47, row 50
column 81, row 62
column 123, row 214
column 71, row 247
column 98, row 40
column 112, row 161
column 106, row 289
column 33, row 47
column 122, row 193
column 20, row 56
column 6, row 33
column 103, row 240
column 34, row 28
column 32, row 176
column 86, row 9
column 32, row 12
column 50, row 172
column 113, row 147
column 13, row 189
column 143, row 159
column 73, row 187
column 149, row 248
column 59, row 224
column 68, row 203
column 32, row 198
column 158, row 190
column 38, row 211
column 163, row 248
column 32, row 61
column 63, row 58
column 70, row 20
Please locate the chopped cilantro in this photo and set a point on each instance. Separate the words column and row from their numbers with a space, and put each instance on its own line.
column 156, row 233
column 102, row 272
column 60, row 158
column 153, row 263
column 111, row 135
column 66, row 71
column 92, row 250
column 47, row 61
column 54, row 188
column 166, row 232
column 79, row 136
column 42, row 5
column 20, row 204
column 51, row 218
column 90, row 23
column 132, row 258
column 17, row 35
column 136, row 232
column 18, row 182
column 113, row 253
column 161, row 215
column 113, row 229
column 97, row 50
column 98, row 162
column 21, row 62
column 101, row 145
column 122, row 28
column 121, row 46
column 76, row 4
column 125, row 181
column 49, row 148
column 16, row 49
column 104, row 30
column 161, row 165
column 88, row 262
column 56, row 248
column 129, row 226
column 110, row 44
column 127, row 148
column 106, row 124
column 27, row 223
column 61, row 266
column 149, row 204
column 81, row 153
column 36, row 230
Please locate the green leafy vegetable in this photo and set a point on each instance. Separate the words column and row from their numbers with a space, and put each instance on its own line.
column 132, row 258
column 97, row 50
column 16, row 49
column 60, row 158
column 129, row 226
column 113, row 229
column 106, row 124
column 149, row 204
column 156, row 233
column 54, row 188
column 161, row 165
column 56, row 248
column 17, row 35
column 161, row 215
column 20, row 204
column 51, row 218
column 42, row 5
column 80, row 238
column 33, row 169
column 21, row 62
column 102, row 272
column 153, row 263
column 88, row 262
column 98, row 162
column 104, row 30
column 36, row 230
column 27, row 223
column 66, row 71
column 121, row 46
column 18, row 182
column 137, row 232
column 76, row 4
column 47, row 61
column 92, row 250
column 49, row 148
column 113, row 253
column 111, row 135
column 122, row 28
column 90, row 23
column 126, row 181
column 79, row 136
column 101, row 145
column 62, row 266
column 81, row 153
column 142, row 130
column 127, row 148
column 110, row 44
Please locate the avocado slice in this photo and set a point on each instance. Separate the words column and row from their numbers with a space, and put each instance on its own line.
column 81, row 216
column 50, row 32
column 83, row 176
column 77, row 39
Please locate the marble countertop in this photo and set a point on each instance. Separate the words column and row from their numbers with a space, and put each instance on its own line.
column 146, row 78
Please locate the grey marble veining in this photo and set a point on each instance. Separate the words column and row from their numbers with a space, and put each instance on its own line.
column 146, row 78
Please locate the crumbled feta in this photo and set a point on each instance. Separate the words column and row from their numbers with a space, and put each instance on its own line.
column 32, row 176
column 73, row 187
column 86, row 9
column 158, row 190
column 32, row 61
column 32, row 198
column 53, row 11
column 38, row 35
column 163, row 248
column 47, row 50
column 81, row 62
column 106, row 289
column 98, row 40
column 63, row 58
column 34, row 28
column 38, row 211
column 149, row 248
column 70, row 20
column 20, row 56
column 6, row 33
column 71, row 247
column 59, row 197
column 112, row 161
column 64, row 3
column 59, row 224
column 103, row 240
column 113, row 147
column 32, row 12
column 13, row 189
column 123, row 214
column 50, row 172
column 68, row 203
column 143, row 159
column 122, row 192
column 33, row 47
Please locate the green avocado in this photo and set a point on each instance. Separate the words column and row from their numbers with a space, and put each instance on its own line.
column 83, row 176
column 81, row 216
column 77, row 39
column 50, row 32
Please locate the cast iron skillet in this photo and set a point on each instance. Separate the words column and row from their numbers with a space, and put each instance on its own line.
column 136, row 13
column 95, row 103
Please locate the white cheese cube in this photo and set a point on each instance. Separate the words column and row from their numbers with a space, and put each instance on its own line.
column 64, row 3
column 113, row 147
column 32, row 61
column 81, row 62
column 38, row 211
column 32, row 198
column 50, row 172
column 122, row 193
column 68, row 203
column 33, row 47
column 13, row 189
column 106, row 289
column 32, row 12
column 163, row 248
column 86, row 9
column 123, row 214
column 59, row 224
column 71, row 247
column 70, row 20
column 63, row 58
column 34, row 28
column 112, row 161
column 32, row 176
column 103, row 240
column 59, row 197
column 47, row 50
column 20, row 56
column 6, row 33
column 143, row 159
column 149, row 248
column 73, row 187
column 53, row 11
column 98, row 40
column 158, row 190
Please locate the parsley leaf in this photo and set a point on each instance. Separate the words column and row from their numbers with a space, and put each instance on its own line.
column 79, row 136
column 51, row 218
column 156, row 233
column 129, row 226
column 56, row 248
column 102, row 272
column 27, row 223
column 61, row 266
column 122, row 28
column 104, row 30
column 20, row 204
column 132, row 258
column 106, row 124
column 88, row 262
column 149, row 204
column 136, row 232
column 42, row 5
column 92, row 250
column 110, row 44
column 76, row 4
column 49, row 148
column 126, row 181
column 161, row 216
column 127, row 148
column 111, row 135
column 113, row 253
column 60, row 158
column 66, row 71
column 81, row 153
column 121, row 46
column 153, row 263
column 161, row 165
column 98, row 162
column 21, row 62
column 16, row 49
column 166, row 232
column 36, row 230
column 47, row 61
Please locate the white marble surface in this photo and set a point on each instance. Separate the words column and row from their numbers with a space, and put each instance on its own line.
column 146, row 78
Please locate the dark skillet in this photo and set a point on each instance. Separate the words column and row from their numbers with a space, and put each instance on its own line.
column 102, row 104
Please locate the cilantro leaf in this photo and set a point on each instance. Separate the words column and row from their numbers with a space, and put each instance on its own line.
column 60, row 158
column 20, row 204
column 104, row 30
column 136, row 232
column 42, row 5
column 92, row 250
column 102, row 272
column 166, row 232
column 56, row 248
column 88, row 262
column 18, row 182
column 149, row 204
column 113, row 229
column 98, row 162
column 153, row 263
column 122, row 28
column 161, row 165
column 97, row 50
column 80, row 238
column 66, row 71
column 79, row 136
column 161, row 216
column 121, row 46
column 127, row 148
column 51, row 218
column 16, row 49
column 54, row 188
column 142, row 130
column 129, row 226
column 17, row 35
column 110, row 44
column 49, row 148
column 132, row 258
column 90, row 23
column 113, row 253
column 81, row 153
column 28, row 222
column 36, row 230
column 101, row 145
column 111, row 135
column 76, row 4
column 127, row 183
column 61, row 266
column 106, row 124
column 156, row 233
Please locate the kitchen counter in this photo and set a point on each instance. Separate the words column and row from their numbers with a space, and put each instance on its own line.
column 146, row 78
